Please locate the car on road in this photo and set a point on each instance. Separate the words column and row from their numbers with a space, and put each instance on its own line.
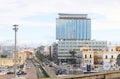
column 50, row 65
column 21, row 73
column 36, row 64
column 27, row 67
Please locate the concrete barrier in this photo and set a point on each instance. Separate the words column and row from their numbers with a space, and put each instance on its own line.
column 101, row 75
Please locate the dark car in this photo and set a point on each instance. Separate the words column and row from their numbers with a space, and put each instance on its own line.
column 21, row 66
column 18, row 73
column 21, row 73
column 50, row 65
column 10, row 72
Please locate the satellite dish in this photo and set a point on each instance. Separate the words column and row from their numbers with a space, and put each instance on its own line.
column 106, row 65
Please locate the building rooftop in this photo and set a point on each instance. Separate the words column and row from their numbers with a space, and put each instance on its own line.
column 72, row 16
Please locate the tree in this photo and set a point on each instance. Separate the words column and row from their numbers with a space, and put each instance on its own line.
column 118, row 60
column 73, row 52
column 40, row 50
column 41, row 57
column 3, row 56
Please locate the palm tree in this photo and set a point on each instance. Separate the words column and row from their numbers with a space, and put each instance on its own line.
column 73, row 52
column 118, row 60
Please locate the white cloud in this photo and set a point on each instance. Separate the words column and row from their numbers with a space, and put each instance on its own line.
column 105, row 25
column 11, row 11
column 41, row 24
column 28, row 43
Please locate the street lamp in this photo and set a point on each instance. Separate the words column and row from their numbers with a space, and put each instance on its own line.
column 15, row 51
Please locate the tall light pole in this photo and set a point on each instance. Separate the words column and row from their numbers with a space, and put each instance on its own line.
column 15, row 51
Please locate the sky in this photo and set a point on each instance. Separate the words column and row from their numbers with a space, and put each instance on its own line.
column 37, row 19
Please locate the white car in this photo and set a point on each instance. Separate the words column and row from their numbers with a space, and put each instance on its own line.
column 28, row 67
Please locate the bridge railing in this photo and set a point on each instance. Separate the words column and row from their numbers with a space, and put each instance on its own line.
column 101, row 75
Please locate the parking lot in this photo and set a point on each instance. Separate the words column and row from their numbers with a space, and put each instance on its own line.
column 10, row 76
column 30, row 74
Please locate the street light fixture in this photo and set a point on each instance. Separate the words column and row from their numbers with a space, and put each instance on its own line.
column 15, row 51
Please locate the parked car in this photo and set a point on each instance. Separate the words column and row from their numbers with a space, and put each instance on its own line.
column 10, row 72
column 21, row 73
column 28, row 67
column 50, row 65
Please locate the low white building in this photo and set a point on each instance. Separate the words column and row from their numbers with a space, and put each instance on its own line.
column 87, row 56
column 110, row 55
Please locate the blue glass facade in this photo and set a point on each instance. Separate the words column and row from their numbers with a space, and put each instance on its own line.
column 73, row 32
column 73, row 28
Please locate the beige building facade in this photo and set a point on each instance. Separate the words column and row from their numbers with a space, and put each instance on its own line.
column 21, row 57
column 111, row 54
column 6, row 62
column 99, row 58
column 87, row 56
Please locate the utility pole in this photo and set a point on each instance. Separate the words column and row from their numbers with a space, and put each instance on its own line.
column 15, row 51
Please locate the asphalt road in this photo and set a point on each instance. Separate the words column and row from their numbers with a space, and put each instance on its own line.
column 31, row 73
column 38, row 70
column 0, row 77
column 10, row 76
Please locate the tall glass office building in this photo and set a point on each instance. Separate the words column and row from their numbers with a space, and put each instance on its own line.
column 73, row 32
column 73, row 27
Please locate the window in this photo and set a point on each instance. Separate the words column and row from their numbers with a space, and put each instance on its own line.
column 90, row 61
column 106, row 56
column 90, row 56
column 112, row 56
column 85, row 56
column 111, row 49
column 99, row 42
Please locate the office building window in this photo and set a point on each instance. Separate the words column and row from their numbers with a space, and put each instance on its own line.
column 90, row 56
column 112, row 56
column 111, row 49
column 106, row 57
column 85, row 56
